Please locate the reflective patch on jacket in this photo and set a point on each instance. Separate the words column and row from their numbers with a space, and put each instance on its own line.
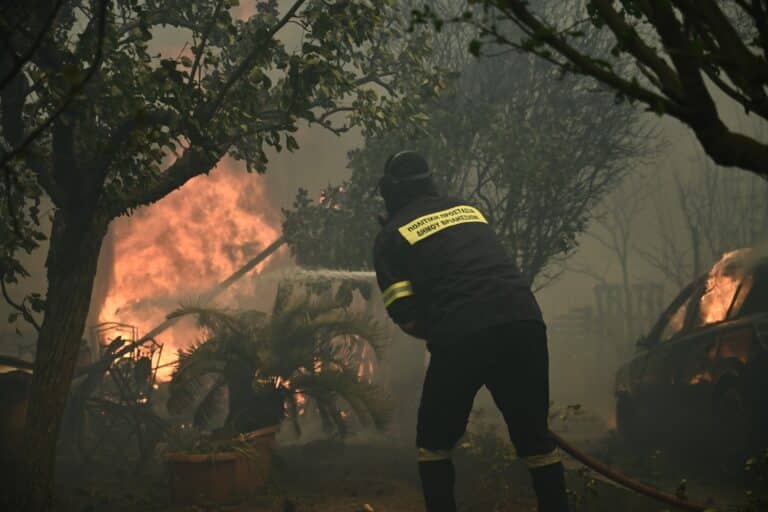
column 427, row 225
column 397, row 291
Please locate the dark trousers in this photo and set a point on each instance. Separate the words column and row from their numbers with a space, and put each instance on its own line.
column 512, row 361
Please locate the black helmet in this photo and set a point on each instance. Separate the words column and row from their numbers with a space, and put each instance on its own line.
column 406, row 176
column 406, row 166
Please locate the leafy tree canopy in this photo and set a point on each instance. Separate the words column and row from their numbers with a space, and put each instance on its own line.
column 150, row 119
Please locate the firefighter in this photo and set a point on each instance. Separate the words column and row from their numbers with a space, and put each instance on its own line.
column 445, row 278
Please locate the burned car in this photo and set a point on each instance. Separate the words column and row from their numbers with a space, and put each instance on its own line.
column 701, row 374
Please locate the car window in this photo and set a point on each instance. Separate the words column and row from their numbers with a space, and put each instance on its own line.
column 756, row 301
column 676, row 321
column 720, row 290
column 746, row 286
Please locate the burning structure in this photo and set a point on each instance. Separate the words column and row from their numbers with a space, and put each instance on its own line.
column 174, row 251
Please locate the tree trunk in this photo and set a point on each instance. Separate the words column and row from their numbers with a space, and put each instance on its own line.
column 71, row 266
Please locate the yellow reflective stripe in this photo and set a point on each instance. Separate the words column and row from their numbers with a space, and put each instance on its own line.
column 433, row 455
column 427, row 225
column 545, row 459
column 397, row 291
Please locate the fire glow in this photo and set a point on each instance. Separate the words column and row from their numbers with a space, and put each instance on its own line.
column 174, row 250
column 721, row 287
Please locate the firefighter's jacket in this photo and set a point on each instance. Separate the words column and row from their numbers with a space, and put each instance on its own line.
column 440, row 264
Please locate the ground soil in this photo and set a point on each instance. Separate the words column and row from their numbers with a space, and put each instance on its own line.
column 333, row 478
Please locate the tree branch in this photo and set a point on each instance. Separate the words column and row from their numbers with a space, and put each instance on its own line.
column 748, row 103
column 518, row 10
column 211, row 108
column 633, row 43
column 692, row 104
column 21, row 308
column 745, row 69
column 760, row 14
column 204, row 40
column 723, row 145
column 194, row 162
column 100, row 167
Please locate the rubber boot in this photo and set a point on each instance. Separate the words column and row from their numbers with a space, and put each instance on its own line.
column 437, row 481
column 549, row 485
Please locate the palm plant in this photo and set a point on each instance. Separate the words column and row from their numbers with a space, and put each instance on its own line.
column 270, row 366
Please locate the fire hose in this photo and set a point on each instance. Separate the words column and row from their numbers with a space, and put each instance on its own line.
column 624, row 480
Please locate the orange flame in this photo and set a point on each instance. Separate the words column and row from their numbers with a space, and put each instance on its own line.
column 176, row 249
column 722, row 283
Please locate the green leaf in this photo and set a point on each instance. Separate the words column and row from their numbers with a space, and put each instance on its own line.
column 474, row 47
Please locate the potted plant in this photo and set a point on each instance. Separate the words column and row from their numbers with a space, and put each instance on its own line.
column 271, row 366
column 205, row 468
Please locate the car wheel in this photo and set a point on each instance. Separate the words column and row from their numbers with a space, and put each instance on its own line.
column 626, row 418
column 731, row 413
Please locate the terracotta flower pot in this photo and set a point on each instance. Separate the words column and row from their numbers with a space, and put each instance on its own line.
column 223, row 477
column 263, row 439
